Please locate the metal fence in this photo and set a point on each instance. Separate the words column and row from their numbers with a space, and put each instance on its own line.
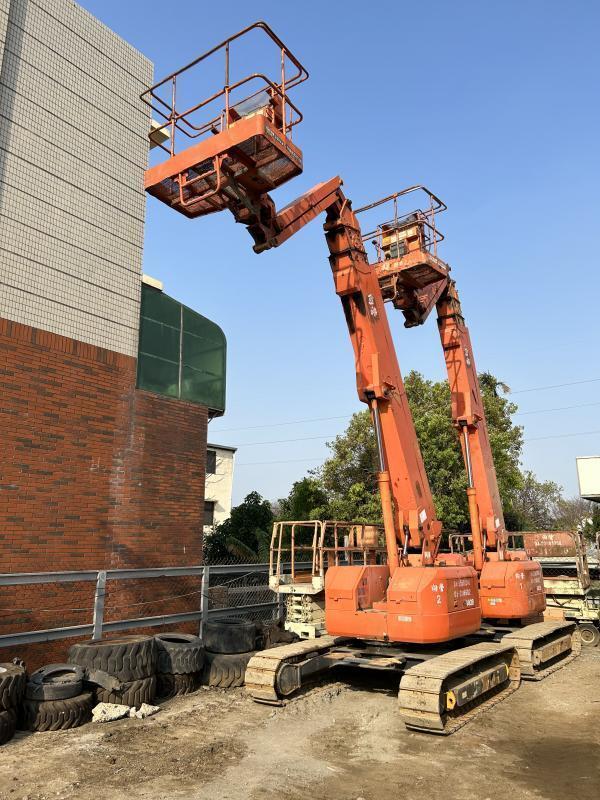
column 225, row 589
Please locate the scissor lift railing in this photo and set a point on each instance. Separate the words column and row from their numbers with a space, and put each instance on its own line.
column 214, row 159
column 321, row 544
column 563, row 557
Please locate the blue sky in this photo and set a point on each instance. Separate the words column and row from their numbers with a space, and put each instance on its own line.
column 494, row 106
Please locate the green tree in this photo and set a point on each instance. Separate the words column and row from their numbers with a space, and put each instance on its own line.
column 353, row 458
column 506, row 439
column 535, row 504
column 305, row 500
column 349, row 476
column 430, row 406
column 245, row 535
column 577, row 514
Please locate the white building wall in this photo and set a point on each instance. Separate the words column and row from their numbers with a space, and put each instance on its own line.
column 73, row 150
column 219, row 486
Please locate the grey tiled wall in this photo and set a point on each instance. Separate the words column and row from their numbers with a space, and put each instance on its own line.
column 73, row 149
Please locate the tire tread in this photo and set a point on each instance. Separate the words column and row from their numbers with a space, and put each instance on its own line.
column 56, row 715
column 128, row 660
column 133, row 693
column 225, row 670
column 12, row 685
column 8, row 724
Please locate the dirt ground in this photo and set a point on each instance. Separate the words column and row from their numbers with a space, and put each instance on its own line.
column 340, row 741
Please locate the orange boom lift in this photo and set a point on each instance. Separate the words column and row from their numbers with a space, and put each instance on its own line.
column 511, row 589
column 402, row 606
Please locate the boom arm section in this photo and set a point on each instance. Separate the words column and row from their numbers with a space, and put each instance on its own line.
column 408, row 508
column 468, row 415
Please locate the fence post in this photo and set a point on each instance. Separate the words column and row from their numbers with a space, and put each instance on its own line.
column 99, row 605
column 280, row 607
column 204, row 587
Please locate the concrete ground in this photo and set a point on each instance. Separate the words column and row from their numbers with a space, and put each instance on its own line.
column 341, row 741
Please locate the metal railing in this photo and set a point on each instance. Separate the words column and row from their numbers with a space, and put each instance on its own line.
column 272, row 607
column 423, row 219
column 272, row 96
column 325, row 543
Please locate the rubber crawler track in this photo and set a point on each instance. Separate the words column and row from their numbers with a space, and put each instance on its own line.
column 526, row 638
column 261, row 673
column 423, row 688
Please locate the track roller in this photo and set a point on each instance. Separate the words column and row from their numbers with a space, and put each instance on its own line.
column 276, row 673
column 545, row 647
column 443, row 693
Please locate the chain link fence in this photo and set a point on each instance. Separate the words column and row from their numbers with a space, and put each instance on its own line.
column 247, row 594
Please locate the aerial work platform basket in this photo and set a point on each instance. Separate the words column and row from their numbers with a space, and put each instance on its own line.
column 411, row 274
column 232, row 145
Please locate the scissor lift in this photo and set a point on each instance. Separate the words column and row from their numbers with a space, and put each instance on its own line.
column 301, row 553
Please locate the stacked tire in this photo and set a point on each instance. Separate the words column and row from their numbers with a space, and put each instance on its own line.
column 12, row 687
column 180, row 659
column 55, row 699
column 120, row 670
column 229, row 645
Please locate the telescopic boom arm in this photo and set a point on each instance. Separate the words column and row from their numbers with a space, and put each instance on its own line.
column 468, row 416
column 408, row 508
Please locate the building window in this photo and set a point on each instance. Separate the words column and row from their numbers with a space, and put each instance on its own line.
column 211, row 462
column 181, row 353
column 209, row 512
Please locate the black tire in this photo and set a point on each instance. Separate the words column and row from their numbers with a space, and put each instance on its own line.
column 179, row 653
column 133, row 694
column 55, row 682
column 269, row 634
column 12, row 685
column 225, row 671
column 56, row 715
column 128, row 658
column 8, row 724
column 169, row 685
column 229, row 635
column 589, row 633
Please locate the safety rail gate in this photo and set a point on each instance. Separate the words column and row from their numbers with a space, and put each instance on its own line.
column 325, row 543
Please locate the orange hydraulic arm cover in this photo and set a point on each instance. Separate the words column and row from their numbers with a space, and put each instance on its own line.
column 469, row 418
column 379, row 381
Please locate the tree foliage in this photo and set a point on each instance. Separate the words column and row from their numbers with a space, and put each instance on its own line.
column 535, row 504
column 345, row 486
column 305, row 500
column 577, row 514
column 348, row 477
column 246, row 535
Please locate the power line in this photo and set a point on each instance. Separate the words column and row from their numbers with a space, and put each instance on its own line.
column 347, row 416
column 561, row 436
column 279, row 424
column 300, row 460
column 291, row 461
column 555, row 386
column 560, row 408
column 332, row 435
column 285, row 441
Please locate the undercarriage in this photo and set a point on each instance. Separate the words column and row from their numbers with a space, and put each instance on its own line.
column 442, row 687
column 440, row 690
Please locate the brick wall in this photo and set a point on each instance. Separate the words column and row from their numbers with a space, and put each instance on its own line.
column 94, row 474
